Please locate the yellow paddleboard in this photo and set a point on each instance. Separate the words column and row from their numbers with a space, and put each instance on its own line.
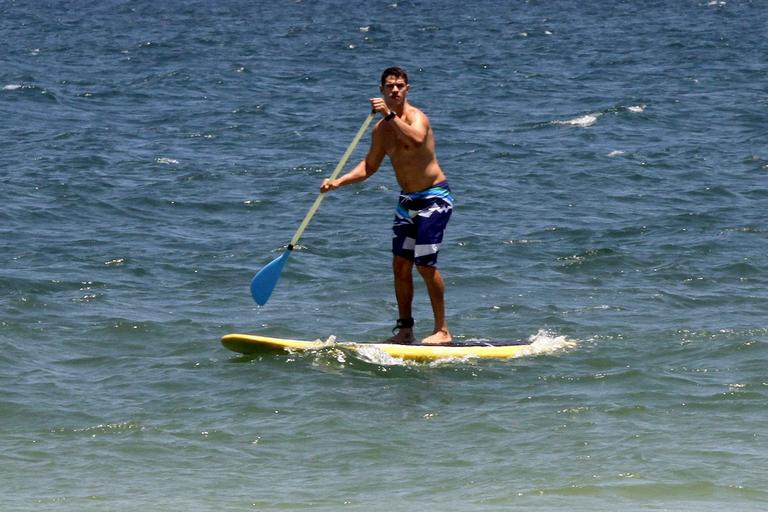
column 254, row 344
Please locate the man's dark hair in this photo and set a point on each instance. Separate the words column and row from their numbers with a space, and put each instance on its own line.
column 395, row 72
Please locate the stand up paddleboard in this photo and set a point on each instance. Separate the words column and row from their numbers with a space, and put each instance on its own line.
column 255, row 344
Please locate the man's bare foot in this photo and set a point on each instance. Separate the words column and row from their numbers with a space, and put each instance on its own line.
column 404, row 335
column 442, row 337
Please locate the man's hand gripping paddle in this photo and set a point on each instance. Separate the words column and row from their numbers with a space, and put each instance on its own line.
column 265, row 280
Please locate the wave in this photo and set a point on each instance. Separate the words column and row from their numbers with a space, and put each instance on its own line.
column 33, row 91
column 591, row 118
column 582, row 121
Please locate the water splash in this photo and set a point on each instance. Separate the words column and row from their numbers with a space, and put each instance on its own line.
column 544, row 342
column 541, row 343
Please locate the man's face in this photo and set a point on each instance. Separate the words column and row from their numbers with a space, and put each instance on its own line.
column 394, row 90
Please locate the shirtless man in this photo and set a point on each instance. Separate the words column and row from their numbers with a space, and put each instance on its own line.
column 425, row 203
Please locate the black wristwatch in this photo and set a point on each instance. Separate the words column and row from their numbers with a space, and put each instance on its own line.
column 390, row 116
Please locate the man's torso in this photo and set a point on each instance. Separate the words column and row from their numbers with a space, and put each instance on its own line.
column 416, row 166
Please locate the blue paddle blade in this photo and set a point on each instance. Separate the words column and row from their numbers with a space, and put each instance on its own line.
column 265, row 280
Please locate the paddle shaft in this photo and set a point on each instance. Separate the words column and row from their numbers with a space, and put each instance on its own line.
column 265, row 279
column 333, row 176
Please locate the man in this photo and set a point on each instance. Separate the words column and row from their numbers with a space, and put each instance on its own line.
column 425, row 204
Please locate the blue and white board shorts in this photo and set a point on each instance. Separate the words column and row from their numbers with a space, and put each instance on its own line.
column 420, row 220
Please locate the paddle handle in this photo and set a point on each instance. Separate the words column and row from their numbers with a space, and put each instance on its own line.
column 333, row 176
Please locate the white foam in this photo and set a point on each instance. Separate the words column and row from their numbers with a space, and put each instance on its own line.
column 636, row 109
column 617, row 152
column 167, row 161
column 12, row 87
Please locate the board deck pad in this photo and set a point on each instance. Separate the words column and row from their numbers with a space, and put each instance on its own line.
column 254, row 344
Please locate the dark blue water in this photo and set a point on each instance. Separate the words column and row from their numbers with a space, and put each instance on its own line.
column 609, row 162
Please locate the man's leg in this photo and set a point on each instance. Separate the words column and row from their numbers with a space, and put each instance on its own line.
column 403, row 271
column 436, row 290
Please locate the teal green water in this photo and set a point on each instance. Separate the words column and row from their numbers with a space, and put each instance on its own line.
column 609, row 165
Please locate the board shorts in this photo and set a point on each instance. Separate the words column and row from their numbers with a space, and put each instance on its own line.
column 420, row 220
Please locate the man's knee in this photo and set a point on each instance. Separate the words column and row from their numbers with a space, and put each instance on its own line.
column 426, row 271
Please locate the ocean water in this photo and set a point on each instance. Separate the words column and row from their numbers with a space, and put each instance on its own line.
column 610, row 164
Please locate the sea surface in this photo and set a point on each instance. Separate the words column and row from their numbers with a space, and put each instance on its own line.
column 610, row 164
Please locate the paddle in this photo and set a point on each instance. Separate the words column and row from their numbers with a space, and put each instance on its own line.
column 265, row 280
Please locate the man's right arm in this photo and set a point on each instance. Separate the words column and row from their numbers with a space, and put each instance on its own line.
column 362, row 171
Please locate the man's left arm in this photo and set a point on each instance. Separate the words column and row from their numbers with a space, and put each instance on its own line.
column 413, row 130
